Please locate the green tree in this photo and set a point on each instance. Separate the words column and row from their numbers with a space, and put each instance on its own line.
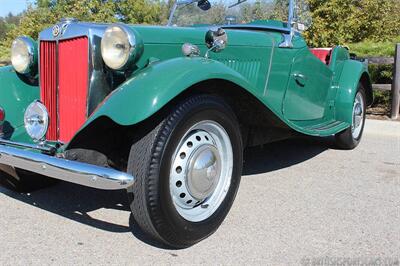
column 348, row 21
column 45, row 13
column 281, row 10
column 334, row 21
column 7, row 23
column 139, row 11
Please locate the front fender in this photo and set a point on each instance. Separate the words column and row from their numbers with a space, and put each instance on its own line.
column 16, row 93
column 148, row 91
column 353, row 73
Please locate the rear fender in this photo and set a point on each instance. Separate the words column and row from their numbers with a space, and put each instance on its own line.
column 353, row 73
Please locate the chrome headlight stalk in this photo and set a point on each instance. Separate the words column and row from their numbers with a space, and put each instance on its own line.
column 121, row 47
column 24, row 55
column 36, row 120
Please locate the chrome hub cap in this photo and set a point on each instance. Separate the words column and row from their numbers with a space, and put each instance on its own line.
column 358, row 116
column 204, row 171
column 201, row 171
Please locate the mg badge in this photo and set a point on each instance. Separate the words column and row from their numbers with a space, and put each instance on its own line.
column 56, row 30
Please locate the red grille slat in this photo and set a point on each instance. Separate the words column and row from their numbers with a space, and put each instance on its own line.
column 73, row 82
column 48, row 92
column 67, row 106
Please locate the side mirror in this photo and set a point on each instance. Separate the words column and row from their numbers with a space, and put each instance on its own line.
column 204, row 5
column 216, row 40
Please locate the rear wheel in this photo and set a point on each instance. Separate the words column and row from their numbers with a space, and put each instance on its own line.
column 23, row 181
column 188, row 171
column 351, row 137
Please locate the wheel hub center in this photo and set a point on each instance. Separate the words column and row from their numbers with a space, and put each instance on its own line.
column 203, row 172
column 358, row 110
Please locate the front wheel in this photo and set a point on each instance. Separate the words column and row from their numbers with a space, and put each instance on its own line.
column 351, row 137
column 188, row 170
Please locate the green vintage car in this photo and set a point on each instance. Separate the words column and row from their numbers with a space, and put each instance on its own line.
column 165, row 112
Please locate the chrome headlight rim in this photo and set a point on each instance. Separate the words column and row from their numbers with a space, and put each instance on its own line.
column 46, row 120
column 32, row 49
column 135, row 49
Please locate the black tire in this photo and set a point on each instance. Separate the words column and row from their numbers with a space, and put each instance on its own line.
column 150, row 162
column 22, row 181
column 345, row 140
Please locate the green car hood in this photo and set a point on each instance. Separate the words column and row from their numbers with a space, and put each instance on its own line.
column 196, row 35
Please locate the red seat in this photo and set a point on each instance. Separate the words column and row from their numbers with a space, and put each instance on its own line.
column 324, row 54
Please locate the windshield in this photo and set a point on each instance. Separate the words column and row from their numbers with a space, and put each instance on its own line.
column 239, row 12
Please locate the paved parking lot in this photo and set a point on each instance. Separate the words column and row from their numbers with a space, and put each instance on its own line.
column 298, row 200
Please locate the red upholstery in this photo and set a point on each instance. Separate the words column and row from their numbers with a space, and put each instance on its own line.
column 324, row 54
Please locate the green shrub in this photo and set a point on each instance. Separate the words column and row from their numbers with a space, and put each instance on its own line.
column 4, row 53
column 381, row 74
column 373, row 48
column 381, row 98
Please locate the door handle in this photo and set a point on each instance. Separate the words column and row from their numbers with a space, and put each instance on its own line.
column 300, row 79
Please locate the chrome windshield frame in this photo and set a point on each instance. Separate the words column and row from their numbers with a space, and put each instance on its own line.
column 289, row 28
column 288, row 37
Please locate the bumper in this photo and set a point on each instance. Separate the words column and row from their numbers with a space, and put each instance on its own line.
column 70, row 171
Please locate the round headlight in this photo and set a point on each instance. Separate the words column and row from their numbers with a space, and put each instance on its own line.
column 36, row 120
column 120, row 47
column 24, row 55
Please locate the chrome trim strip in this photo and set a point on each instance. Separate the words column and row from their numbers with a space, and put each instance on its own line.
column 43, row 148
column 256, row 27
column 74, row 30
column 71, row 171
column 270, row 65
column 98, row 87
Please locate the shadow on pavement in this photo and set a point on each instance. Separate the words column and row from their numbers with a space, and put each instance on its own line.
column 76, row 202
column 279, row 155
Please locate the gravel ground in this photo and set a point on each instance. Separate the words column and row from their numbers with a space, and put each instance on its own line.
column 299, row 201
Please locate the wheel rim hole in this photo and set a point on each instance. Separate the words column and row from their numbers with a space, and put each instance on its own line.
column 178, row 183
column 189, row 201
column 183, row 155
column 179, row 169
column 206, row 138
column 190, row 144
column 198, row 138
column 182, row 195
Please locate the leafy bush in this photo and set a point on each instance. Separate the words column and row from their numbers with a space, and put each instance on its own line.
column 44, row 13
column 381, row 98
column 370, row 48
column 4, row 53
column 381, row 74
column 352, row 21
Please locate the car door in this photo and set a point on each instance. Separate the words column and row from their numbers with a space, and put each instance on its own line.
column 308, row 86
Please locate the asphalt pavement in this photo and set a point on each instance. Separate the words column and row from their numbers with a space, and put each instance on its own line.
column 300, row 201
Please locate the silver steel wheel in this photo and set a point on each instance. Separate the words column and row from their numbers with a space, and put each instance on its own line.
column 358, row 116
column 201, row 171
